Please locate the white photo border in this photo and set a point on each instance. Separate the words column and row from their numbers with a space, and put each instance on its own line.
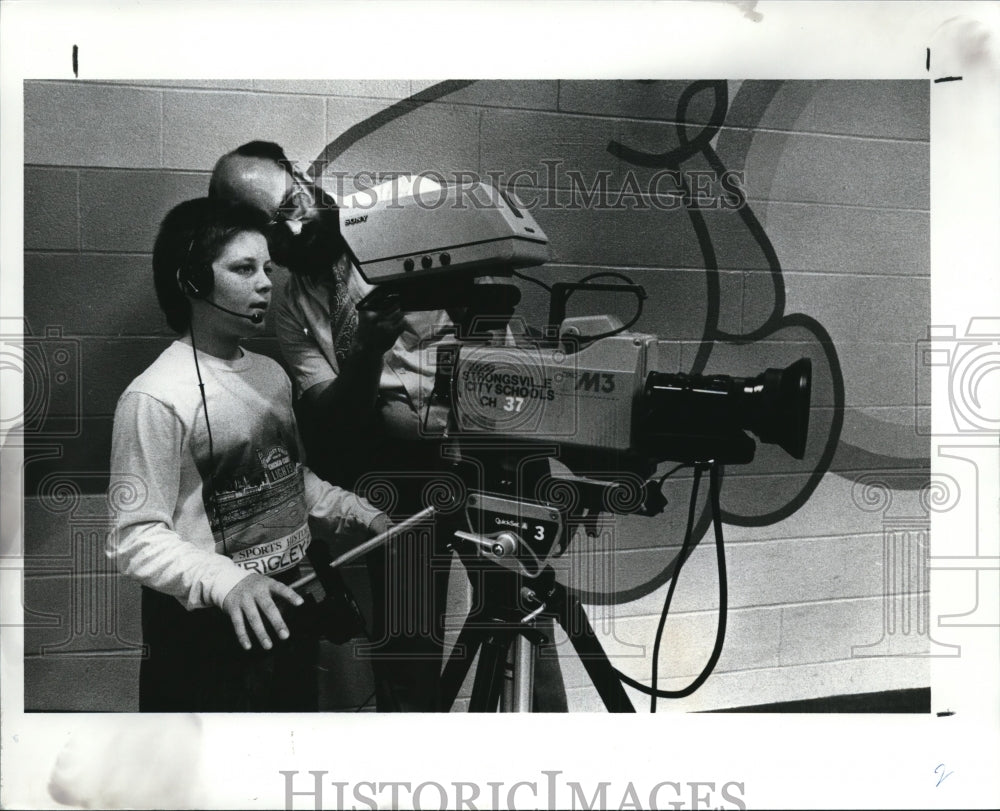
column 788, row 761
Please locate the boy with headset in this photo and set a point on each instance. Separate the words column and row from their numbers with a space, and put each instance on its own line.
column 223, row 510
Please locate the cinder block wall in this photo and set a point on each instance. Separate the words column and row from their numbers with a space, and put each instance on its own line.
column 835, row 231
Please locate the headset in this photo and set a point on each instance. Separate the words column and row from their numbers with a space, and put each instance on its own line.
column 342, row 617
column 195, row 279
column 198, row 281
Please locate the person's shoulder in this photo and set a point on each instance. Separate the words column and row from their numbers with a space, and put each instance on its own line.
column 262, row 364
column 266, row 376
column 164, row 380
column 172, row 366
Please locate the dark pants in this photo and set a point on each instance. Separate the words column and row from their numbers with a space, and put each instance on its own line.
column 195, row 664
column 409, row 584
column 409, row 595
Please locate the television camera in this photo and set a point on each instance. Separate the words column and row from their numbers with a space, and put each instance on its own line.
column 556, row 423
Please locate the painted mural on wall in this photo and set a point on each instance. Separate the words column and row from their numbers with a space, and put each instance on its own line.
column 673, row 187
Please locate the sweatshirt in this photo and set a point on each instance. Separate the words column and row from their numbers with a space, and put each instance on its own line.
column 199, row 504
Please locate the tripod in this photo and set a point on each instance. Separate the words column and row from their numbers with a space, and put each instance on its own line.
column 501, row 632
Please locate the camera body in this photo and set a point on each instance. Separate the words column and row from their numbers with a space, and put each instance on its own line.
column 583, row 397
column 457, row 231
column 583, row 390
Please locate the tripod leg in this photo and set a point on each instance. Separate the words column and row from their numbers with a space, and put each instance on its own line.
column 490, row 672
column 571, row 616
column 459, row 662
column 518, row 696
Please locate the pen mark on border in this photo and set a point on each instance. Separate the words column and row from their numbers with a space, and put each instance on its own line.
column 945, row 713
column 76, row 61
column 940, row 769
column 948, row 79
column 928, row 65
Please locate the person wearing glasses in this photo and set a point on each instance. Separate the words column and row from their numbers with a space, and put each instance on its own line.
column 361, row 380
column 346, row 363
column 372, row 371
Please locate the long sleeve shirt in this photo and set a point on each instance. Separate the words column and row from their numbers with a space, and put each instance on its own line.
column 198, row 504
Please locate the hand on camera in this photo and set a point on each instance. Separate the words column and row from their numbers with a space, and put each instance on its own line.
column 378, row 328
column 252, row 596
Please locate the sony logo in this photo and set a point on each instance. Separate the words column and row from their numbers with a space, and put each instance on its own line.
column 355, row 220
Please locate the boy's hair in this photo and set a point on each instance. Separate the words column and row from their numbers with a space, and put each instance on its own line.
column 191, row 238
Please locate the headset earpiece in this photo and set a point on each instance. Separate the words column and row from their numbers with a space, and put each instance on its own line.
column 186, row 286
column 195, row 281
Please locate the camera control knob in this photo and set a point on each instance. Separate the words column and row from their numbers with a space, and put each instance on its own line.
column 408, row 265
column 504, row 544
column 426, row 261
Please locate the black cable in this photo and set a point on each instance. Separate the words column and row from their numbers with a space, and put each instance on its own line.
column 720, row 635
column 586, row 340
column 681, row 559
column 599, row 274
column 670, row 473
column 540, row 283
column 427, row 415
column 211, row 446
column 366, row 702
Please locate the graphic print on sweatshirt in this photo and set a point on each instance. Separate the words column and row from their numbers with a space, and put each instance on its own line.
column 256, row 508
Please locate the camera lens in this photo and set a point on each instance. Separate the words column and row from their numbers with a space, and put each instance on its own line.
column 700, row 416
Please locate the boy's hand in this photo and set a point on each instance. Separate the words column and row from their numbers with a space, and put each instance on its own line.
column 249, row 598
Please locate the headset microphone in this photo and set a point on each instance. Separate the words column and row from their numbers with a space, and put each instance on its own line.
column 189, row 288
column 254, row 317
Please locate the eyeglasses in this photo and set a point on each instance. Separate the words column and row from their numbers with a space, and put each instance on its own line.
column 296, row 204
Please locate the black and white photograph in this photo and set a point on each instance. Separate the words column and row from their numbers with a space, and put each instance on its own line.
column 341, row 403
